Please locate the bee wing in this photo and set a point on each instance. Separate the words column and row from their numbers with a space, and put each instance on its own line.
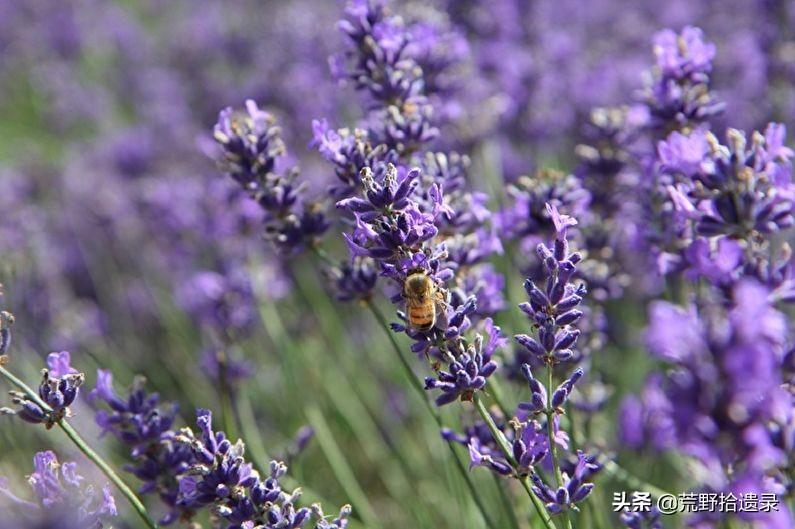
column 441, row 312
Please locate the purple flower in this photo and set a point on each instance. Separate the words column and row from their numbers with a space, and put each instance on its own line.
column 683, row 153
column 528, row 441
column 683, row 55
column 58, row 389
column 349, row 151
column 60, row 489
column 530, row 444
column 722, row 399
column 647, row 519
column 141, row 423
column 481, row 458
column 727, row 202
column 717, row 260
column 219, row 466
column 251, row 146
column 59, row 364
column 465, row 374
column 412, row 210
column 554, row 309
column 745, row 190
column 553, row 312
column 379, row 62
column 677, row 90
column 224, row 481
column 573, row 490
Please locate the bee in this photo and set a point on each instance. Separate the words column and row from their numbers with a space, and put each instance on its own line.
column 424, row 300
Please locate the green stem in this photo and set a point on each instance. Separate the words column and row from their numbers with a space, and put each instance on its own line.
column 86, row 449
column 341, row 468
column 506, row 502
column 553, row 451
column 508, row 453
column 228, row 415
column 496, row 393
column 494, row 388
column 352, row 403
column 418, row 387
column 415, row 383
column 256, row 452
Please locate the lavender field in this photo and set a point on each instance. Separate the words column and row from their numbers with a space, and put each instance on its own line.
column 384, row 264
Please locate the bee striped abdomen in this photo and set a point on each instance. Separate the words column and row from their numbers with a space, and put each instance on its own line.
column 422, row 316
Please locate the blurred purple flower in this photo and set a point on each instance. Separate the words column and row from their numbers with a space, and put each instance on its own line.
column 60, row 489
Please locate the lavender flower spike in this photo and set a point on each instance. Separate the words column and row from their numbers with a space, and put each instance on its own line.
column 573, row 489
column 144, row 426
column 61, row 491
column 251, row 145
column 553, row 311
column 677, row 91
column 58, row 389
column 222, row 480
column 466, row 374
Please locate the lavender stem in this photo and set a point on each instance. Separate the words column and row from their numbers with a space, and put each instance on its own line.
column 553, row 452
column 86, row 449
column 499, row 438
column 415, row 383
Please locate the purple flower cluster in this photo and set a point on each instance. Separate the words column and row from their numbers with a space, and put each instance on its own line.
column 61, row 494
column 221, row 479
column 732, row 201
column 572, row 490
column 251, row 146
column 381, row 62
column 465, row 374
column 723, row 400
column 528, row 441
column 191, row 472
column 553, row 311
column 58, row 389
column 413, row 210
column 677, row 91
column 145, row 428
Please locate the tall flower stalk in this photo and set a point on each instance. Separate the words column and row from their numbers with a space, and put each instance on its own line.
column 553, row 311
